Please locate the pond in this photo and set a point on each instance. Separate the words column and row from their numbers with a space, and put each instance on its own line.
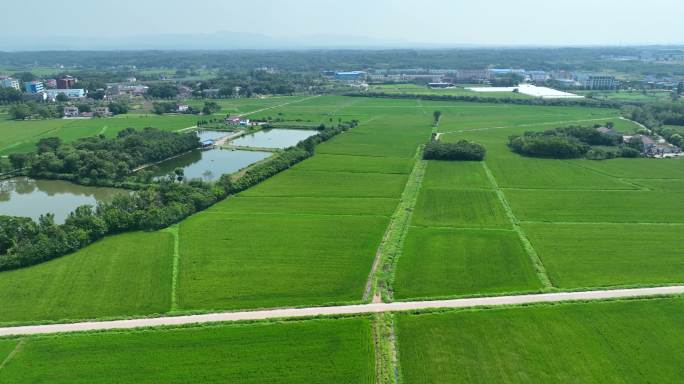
column 208, row 165
column 22, row 196
column 273, row 138
column 208, row 134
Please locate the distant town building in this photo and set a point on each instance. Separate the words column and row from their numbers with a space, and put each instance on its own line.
column 66, row 82
column 212, row 93
column 538, row 76
column 350, row 76
column 184, row 92
column 71, row 112
column 8, row 82
column 471, row 75
column 440, row 85
column 33, row 87
column 51, row 83
column 70, row 93
column 181, row 108
column 132, row 90
column 102, row 111
column 597, row 81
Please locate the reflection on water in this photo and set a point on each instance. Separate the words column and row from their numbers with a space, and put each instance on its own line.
column 22, row 196
column 208, row 165
column 273, row 138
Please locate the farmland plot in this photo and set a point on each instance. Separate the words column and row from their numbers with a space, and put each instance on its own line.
column 605, row 342
column 313, row 351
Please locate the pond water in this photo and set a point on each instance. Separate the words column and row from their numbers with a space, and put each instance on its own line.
column 208, row 165
column 207, row 134
column 22, row 196
column 273, row 138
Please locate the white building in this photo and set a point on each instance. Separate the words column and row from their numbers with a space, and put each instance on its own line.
column 597, row 81
column 8, row 82
column 70, row 93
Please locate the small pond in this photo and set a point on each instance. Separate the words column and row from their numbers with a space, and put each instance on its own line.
column 208, row 165
column 273, row 138
column 22, row 196
column 208, row 134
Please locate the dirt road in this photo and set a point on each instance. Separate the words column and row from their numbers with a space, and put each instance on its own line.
column 348, row 309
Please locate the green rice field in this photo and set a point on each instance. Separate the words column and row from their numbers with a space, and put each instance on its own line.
column 445, row 262
column 309, row 235
column 313, row 351
column 610, row 342
column 125, row 275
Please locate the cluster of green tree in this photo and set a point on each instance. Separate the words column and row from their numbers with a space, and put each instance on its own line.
column 162, row 107
column 31, row 109
column 497, row 100
column 655, row 116
column 99, row 160
column 9, row 96
column 462, row 150
column 34, row 110
column 24, row 242
column 163, row 90
column 231, row 84
column 592, row 59
column 572, row 142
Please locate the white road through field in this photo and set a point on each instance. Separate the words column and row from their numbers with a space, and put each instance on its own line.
column 342, row 310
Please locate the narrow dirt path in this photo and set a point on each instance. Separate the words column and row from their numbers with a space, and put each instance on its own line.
column 16, row 350
column 344, row 310
column 529, row 248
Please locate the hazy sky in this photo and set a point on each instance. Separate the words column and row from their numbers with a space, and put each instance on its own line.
column 548, row 22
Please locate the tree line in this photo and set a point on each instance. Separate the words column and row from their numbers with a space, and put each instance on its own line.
column 496, row 100
column 25, row 242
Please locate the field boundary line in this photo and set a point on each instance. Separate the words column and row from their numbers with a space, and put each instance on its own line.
column 278, row 106
column 527, row 244
column 606, row 174
column 357, row 309
column 523, row 125
column 386, row 368
column 17, row 349
column 599, row 223
column 175, row 232
column 381, row 275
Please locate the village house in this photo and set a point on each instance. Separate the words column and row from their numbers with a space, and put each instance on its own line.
column 233, row 120
column 102, row 111
column 70, row 112
column 182, row 108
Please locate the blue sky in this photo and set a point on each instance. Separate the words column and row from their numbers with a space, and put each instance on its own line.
column 441, row 22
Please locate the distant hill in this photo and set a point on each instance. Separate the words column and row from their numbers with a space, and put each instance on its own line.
column 210, row 41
